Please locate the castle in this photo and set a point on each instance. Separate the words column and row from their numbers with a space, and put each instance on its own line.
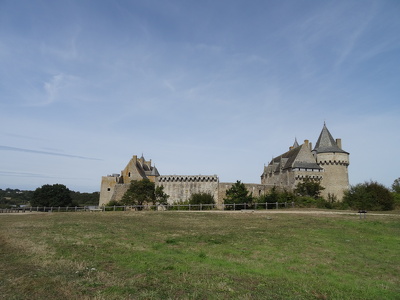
column 327, row 164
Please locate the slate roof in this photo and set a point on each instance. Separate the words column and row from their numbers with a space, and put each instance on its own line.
column 296, row 144
column 326, row 143
column 289, row 160
column 154, row 172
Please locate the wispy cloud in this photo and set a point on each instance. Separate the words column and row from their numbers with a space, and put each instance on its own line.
column 24, row 174
column 35, row 175
column 353, row 38
column 52, row 87
column 21, row 136
column 15, row 149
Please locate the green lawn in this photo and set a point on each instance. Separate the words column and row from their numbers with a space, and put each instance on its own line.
column 199, row 255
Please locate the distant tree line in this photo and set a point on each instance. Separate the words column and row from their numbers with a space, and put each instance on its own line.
column 14, row 197
column 47, row 195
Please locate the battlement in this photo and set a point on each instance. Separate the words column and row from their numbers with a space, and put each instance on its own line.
column 334, row 162
column 309, row 177
column 333, row 159
column 188, row 178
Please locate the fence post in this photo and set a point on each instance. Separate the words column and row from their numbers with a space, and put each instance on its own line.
column 276, row 205
column 244, row 206
column 189, row 206
column 200, row 207
column 234, row 206
column 114, row 207
column 292, row 204
column 58, row 209
column 266, row 205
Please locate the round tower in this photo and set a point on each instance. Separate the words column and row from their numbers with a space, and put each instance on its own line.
column 335, row 161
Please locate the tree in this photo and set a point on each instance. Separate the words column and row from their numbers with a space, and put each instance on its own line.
column 52, row 196
column 238, row 194
column 85, row 198
column 139, row 193
column 160, row 196
column 396, row 186
column 370, row 196
column 309, row 188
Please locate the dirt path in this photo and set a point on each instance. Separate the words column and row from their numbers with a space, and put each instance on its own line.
column 289, row 211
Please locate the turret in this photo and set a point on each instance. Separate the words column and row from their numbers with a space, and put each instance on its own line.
column 335, row 161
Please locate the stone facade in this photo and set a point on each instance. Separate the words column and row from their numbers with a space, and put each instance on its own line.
column 327, row 164
column 181, row 188
column 114, row 186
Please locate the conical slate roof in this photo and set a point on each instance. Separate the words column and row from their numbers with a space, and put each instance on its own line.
column 326, row 142
column 154, row 172
column 296, row 144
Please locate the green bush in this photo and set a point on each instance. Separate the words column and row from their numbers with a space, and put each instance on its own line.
column 369, row 196
column 202, row 198
column 273, row 197
column 305, row 201
column 114, row 203
column 185, row 205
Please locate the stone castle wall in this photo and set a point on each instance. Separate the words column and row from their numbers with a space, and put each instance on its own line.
column 107, row 188
column 180, row 188
column 256, row 190
column 119, row 191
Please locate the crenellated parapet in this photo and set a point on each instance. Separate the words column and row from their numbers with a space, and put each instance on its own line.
column 188, row 178
column 332, row 159
column 309, row 177
column 334, row 162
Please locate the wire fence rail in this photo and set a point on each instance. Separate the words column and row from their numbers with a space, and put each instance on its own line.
column 158, row 207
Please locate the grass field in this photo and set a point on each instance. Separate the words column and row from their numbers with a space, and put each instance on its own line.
column 182, row 255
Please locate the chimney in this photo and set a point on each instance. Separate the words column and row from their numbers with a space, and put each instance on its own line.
column 339, row 143
column 306, row 143
column 290, row 148
column 310, row 146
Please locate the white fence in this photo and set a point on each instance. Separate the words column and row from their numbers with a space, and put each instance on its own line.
column 159, row 207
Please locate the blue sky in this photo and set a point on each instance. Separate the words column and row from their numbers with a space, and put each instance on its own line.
column 199, row 87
